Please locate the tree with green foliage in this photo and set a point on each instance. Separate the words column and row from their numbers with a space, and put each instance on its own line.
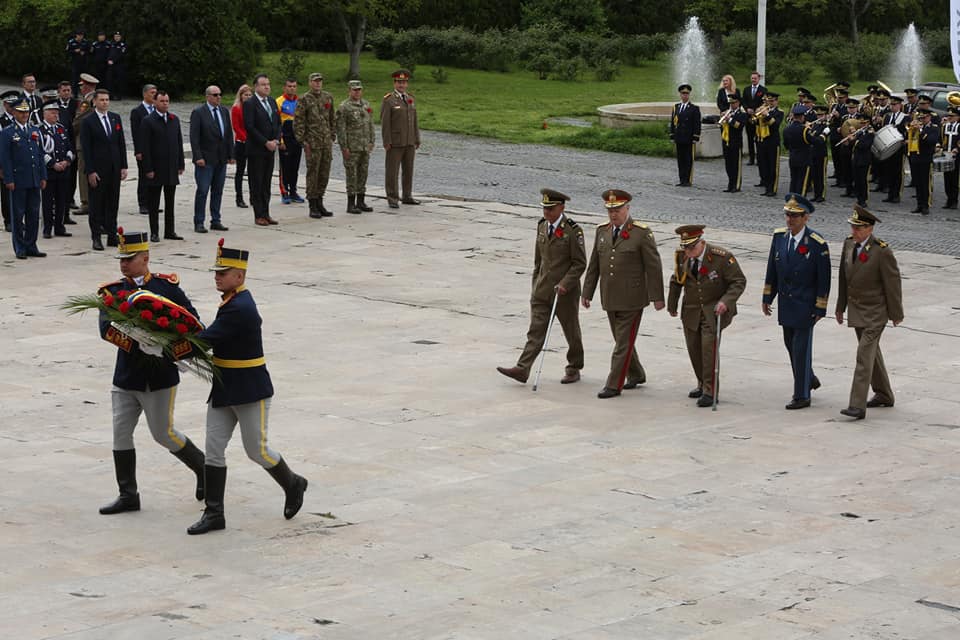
column 576, row 15
column 354, row 17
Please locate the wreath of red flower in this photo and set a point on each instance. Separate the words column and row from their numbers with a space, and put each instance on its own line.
column 863, row 256
column 558, row 232
column 802, row 249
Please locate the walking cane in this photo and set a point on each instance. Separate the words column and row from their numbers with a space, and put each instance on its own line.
column 543, row 349
column 716, row 365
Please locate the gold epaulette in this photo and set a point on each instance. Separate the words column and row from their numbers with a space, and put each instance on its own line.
column 718, row 251
column 818, row 238
column 882, row 243
column 850, row 237
column 388, row 94
column 541, row 221
column 172, row 278
column 603, row 224
column 780, row 230
column 821, row 302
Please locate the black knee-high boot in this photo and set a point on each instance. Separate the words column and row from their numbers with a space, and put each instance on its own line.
column 125, row 464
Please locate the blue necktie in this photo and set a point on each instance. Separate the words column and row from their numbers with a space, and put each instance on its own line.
column 793, row 244
column 216, row 116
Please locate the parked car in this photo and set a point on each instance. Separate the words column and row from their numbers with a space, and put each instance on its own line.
column 938, row 92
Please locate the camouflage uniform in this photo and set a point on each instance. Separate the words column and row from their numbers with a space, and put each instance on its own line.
column 313, row 124
column 355, row 134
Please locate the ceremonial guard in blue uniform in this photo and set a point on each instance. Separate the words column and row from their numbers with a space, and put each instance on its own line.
column 59, row 157
column 144, row 380
column 798, row 272
column 24, row 177
column 797, row 142
column 241, row 394
column 685, row 133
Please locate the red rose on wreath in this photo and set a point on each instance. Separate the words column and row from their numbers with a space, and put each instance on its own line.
column 802, row 249
column 558, row 232
column 117, row 127
column 163, row 323
column 703, row 271
column 157, row 305
column 174, row 314
column 146, row 315
column 124, row 307
column 625, row 234
column 181, row 328
column 863, row 256
column 108, row 300
column 122, row 294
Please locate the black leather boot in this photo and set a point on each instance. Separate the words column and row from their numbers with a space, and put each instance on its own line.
column 314, row 208
column 97, row 244
column 326, row 213
column 125, row 464
column 293, row 486
column 193, row 458
column 215, row 481
column 362, row 204
column 352, row 204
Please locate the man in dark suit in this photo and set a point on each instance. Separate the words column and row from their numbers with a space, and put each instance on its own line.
column 66, row 112
column 28, row 91
column 211, row 144
column 141, row 111
column 753, row 97
column 162, row 148
column 105, row 163
column 685, row 133
column 798, row 273
column 262, row 121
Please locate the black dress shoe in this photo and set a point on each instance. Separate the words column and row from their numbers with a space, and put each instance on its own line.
column 393, row 205
column 916, row 210
column 820, row 199
column 924, row 212
column 607, row 392
column 877, row 401
column 97, row 245
column 216, row 226
column 47, row 235
column 21, row 256
column 240, row 203
column 172, row 236
column 695, row 393
column 853, row 412
column 410, row 201
column 797, row 404
column 62, row 234
column 37, row 254
column 154, row 237
column 734, row 190
column 815, row 383
column 705, row 401
column 728, row 191
column 760, row 185
column 200, row 228
column 633, row 384
column 69, row 221
column 121, row 504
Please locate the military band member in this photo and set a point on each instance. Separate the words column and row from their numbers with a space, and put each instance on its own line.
column 685, row 134
column 768, row 144
column 356, row 138
column 861, row 159
column 880, row 111
column 626, row 266
column 870, row 293
column 711, row 281
column 950, row 143
column 314, row 126
column 559, row 259
column 926, row 102
column 837, row 113
column 798, row 143
column 922, row 140
column 819, row 134
column 144, row 379
column 400, row 135
column 798, row 273
column 732, row 125
column 241, row 394
column 802, row 92
column 58, row 156
column 892, row 167
column 910, row 106
column 24, row 175
column 844, row 150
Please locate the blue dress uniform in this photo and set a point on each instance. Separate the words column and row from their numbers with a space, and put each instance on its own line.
column 950, row 142
column 685, row 133
column 800, row 277
column 21, row 160
column 768, row 147
column 241, row 395
column 861, row 159
column 818, row 158
column 143, row 383
column 921, row 145
column 731, row 136
column 797, row 142
column 57, row 148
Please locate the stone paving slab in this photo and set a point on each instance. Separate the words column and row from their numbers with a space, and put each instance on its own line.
column 447, row 501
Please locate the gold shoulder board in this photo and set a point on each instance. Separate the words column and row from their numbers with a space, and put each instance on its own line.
column 172, row 278
column 818, row 238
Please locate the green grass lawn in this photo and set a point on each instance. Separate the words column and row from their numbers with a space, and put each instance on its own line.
column 513, row 106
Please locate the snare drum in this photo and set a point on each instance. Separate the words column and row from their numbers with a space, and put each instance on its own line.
column 886, row 142
column 943, row 164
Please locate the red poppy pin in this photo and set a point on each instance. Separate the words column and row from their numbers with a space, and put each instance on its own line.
column 703, row 271
column 863, row 256
column 59, row 129
column 802, row 249
column 625, row 234
column 326, row 105
column 171, row 116
column 369, row 110
column 409, row 100
column 559, row 232
column 117, row 127
column 34, row 136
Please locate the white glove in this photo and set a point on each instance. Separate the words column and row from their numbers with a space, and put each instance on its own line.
column 147, row 344
column 182, row 365
column 151, row 348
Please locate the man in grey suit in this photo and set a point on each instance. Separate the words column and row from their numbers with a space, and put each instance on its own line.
column 211, row 142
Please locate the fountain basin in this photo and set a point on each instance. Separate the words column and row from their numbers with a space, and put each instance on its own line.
column 621, row 116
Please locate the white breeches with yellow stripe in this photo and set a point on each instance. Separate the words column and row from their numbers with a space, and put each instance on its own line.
column 157, row 406
column 253, row 429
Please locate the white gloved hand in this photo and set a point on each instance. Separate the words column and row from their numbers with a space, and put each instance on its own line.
column 182, row 365
column 151, row 348
column 147, row 344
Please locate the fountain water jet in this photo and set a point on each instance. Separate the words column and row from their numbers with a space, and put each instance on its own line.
column 907, row 60
column 691, row 61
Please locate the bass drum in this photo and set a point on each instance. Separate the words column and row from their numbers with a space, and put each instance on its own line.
column 943, row 164
column 886, row 142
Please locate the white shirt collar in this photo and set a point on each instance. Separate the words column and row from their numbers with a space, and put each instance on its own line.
column 797, row 237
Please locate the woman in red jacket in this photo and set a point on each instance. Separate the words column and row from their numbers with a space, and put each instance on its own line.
column 240, row 139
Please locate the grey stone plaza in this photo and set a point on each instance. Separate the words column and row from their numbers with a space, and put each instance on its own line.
column 449, row 502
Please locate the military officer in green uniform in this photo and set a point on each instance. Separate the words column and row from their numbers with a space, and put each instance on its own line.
column 711, row 281
column 401, row 138
column 559, row 259
column 355, row 135
column 870, row 293
column 626, row 266
column 314, row 127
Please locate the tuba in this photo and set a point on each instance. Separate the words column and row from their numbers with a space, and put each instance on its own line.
column 830, row 95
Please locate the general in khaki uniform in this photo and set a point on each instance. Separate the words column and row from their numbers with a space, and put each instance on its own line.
column 626, row 266
column 356, row 138
column 711, row 281
column 870, row 292
column 401, row 138
column 559, row 259
column 241, row 394
column 314, row 126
